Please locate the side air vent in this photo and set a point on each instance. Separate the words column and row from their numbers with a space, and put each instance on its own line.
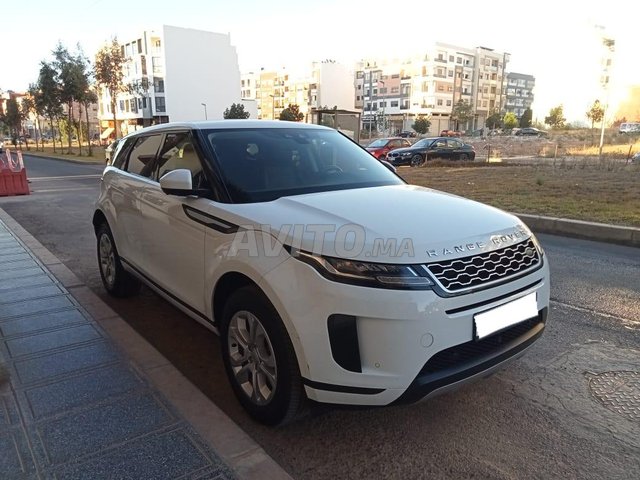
column 343, row 337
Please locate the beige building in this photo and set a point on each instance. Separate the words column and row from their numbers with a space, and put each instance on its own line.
column 392, row 92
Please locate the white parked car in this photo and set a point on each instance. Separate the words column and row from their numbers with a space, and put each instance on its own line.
column 325, row 274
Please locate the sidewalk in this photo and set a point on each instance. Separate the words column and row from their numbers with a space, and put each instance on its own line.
column 88, row 397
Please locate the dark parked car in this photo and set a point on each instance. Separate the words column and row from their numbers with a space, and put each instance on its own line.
column 530, row 132
column 407, row 134
column 381, row 147
column 431, row 148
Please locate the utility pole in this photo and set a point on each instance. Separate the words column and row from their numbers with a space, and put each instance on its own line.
column 607, row 60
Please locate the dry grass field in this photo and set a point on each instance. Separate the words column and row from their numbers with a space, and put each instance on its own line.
column 605, row 192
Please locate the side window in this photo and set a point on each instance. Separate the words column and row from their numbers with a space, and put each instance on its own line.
column 405, row 143
column 441, row 143
column 120, row 153
column 142, row 159
column 454, row 143
column 178, row 152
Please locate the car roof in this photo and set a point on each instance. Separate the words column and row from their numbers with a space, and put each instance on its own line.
column 228, row 124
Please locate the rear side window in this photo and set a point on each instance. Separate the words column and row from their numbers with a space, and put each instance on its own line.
column 120, row 153
column 142, row 159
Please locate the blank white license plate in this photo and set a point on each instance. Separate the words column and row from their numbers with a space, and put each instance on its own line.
column 505, row 315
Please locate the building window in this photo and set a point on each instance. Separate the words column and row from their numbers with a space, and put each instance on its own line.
column 450, row 88
column 375, row 105
column 395, row 75
column 450, row 73
column 395, row 89
column 158, row 85
column 441, row 88
column 448, row 103
column 459, row 60
column 157, row 64
column 134, row 105
column 440, row 102
column 143, row 64
column 383, row 90
column 359, row 87
column 122, row 105
column 160, row 105
column 358, row 97
column 383, row 104
column 157, row 44
column 451, row 58
column 494, row 76
column 493, row 90
column 394, row 103
column 375, row 91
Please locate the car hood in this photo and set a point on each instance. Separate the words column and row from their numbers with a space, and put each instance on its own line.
column 393, row 224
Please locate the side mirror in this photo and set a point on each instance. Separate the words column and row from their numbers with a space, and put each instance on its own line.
column 177, row 182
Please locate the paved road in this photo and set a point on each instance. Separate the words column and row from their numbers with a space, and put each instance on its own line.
column 551, row 414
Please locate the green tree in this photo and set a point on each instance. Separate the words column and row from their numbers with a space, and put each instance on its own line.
column 526, row 118
column 27, row 107
column 555, row 119
column 109, row 74
column 422, row 124
column 292, row 114
column 462, row 113
column 595, row 114
column 494, row 120
column 36, row 97
column 13, row 118
column 85, row 95
column 510, row 120
column 48, row 97
column 236, row 110
column 68, row 79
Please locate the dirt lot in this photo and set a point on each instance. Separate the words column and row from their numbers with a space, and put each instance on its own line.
column 606, row 192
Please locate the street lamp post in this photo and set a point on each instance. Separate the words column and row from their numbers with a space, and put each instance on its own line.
column 205, row 110
column 273, row 107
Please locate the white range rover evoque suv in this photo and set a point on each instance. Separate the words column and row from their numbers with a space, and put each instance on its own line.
column 325, row 274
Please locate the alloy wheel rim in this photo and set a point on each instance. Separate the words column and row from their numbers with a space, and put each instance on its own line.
column 107, row 260
column 252, row 358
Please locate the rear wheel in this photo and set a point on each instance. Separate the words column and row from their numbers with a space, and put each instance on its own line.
column 259, row 358
column 464, row 156
column 417, row 160
column 116, row 280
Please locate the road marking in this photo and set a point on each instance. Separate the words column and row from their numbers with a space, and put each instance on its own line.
column 34, row 179
column 597, row 312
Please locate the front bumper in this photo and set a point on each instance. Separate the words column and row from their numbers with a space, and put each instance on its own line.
column 399, row 335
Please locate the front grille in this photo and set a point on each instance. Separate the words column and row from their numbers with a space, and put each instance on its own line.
column 477, row 270
column 470, row 351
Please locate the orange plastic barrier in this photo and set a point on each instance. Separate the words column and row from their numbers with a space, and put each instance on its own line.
column 13, row 175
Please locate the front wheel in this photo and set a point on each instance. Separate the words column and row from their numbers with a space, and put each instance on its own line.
column 259, row 358
column 116, row 280
column 416, row 160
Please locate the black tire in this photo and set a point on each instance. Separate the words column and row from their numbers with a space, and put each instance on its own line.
column 116, row 280
column 464, row 157
column 287, row 398
column 417, row 160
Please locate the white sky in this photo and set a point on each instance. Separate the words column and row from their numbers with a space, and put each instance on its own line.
column 553, row 40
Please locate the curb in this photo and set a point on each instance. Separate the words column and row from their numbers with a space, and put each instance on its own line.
column 235, row 447
column 62, row 159
column 601, row 232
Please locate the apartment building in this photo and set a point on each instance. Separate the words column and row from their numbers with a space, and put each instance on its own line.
column 325, row 84
column 166, row 84
column 518, row 92
column 430, row 84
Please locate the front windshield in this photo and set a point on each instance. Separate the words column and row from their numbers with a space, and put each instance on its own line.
column 381, row 142
column 263, row 164
column 425, row 142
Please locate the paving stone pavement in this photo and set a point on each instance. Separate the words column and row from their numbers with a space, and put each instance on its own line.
column 75, row 407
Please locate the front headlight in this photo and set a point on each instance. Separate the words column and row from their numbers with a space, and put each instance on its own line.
column 537, row 244
column 378, row 275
